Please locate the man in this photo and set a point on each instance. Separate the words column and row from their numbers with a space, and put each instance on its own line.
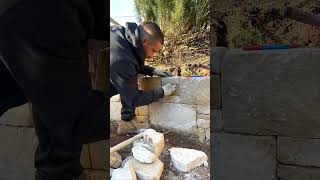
column 44, row 59
column 299, row 15
column 129, row 47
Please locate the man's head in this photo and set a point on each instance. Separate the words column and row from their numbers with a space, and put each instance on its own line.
column 151, row 37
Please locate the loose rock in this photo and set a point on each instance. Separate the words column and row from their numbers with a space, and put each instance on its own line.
column 143, row 155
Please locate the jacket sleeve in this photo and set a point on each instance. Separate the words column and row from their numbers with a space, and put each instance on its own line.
column 147, row 70
column 307, row 18
column 124, row 79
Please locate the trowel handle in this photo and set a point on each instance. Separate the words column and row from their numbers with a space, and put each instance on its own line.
column 125, row 143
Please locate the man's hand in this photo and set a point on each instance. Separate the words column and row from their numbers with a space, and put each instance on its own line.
column 168, row 89
column 161, row 72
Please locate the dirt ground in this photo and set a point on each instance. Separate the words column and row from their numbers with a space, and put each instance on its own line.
column 171, row 140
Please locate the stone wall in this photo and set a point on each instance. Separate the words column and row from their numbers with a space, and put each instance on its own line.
column 269, row 127
column 19, row 141
column 186, row 111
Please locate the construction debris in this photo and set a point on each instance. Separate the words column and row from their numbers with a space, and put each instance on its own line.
column 115, row 160
column 155, row 139
column 126, row 173
column 186, row 159
column 145, row 171
column 143, row 155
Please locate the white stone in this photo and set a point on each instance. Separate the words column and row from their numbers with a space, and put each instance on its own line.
column 125, row 173
column 111, row 171
column 156, row 139
column 115, row 160
column 145, row 171
column 115, row 98
column 115, row 111
column 186, row 159
column 208, row 134
column 203, row 109
column 195, row 90
column 203, row 123
column 18, row 116
column 180, row 117
column 143, row 155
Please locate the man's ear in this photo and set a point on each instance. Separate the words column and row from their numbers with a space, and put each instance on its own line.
column 144, row 41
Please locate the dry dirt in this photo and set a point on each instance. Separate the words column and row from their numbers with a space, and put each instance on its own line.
column 171, row 140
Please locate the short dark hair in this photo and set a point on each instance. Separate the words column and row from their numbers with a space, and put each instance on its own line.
column 154, row 30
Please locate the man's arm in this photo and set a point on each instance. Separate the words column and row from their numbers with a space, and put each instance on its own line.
column 125, row 81
column 299, row 15
column 147, row 70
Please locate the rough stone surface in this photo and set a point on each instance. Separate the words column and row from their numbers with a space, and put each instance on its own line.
column 142, row 119
column 115, row 98
column 125, row 173
column 215, row 92
column 170, row 99
column 98, row 154
column 115, row 160
column 195, row 90
column 203, row 123
column 179, row 117
column 85, row 157
column 216, row 57
column 203, row 116
column 144, row 171
column 143, row 110
column 217, row 120
column 156, row 139
column 115, row 111
column 298, row 173
column 186, row 159
column 208, row 134
column 272, row 92
column 18, row 116
column 299, row 151
column 143, row 155
column 17, row 149
column 243, row 157
column 149, row 83
column 203, row 109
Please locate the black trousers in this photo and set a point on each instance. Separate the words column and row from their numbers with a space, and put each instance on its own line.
column 44, row 60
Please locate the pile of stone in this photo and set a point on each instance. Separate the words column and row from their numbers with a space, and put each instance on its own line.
column 144, row 164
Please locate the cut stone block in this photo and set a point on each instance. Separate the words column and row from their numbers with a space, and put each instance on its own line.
column 144, row 171
column 143, row 110
column 149, row 83
column 125, row 173
column 156, row 139
column 186, row 159
column 217, row 121
column 203, row 123
column 272, row 92
column 203, row 116
column 143, row 155
column 18, row 116
column 115, row 98
column 98, row 154
column 203, row 109
column 216, row 57
column 247, row 157
column 298, row 173
column 85, row 157
column 215, row 92
column 195, row 91
column 17, row 149
column 299, row 151
column 115, row 160
column 142, row 119
column 115, row 111
column 180, row 117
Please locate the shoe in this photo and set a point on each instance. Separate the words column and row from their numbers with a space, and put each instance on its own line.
column 131, row 127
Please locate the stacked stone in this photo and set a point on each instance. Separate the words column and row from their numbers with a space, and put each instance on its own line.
column 145, row 163
column 270, row 126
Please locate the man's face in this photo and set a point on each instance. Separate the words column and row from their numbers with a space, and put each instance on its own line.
column 151, row 48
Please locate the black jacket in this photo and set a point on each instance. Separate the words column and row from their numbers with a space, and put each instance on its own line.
column 126, row 62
